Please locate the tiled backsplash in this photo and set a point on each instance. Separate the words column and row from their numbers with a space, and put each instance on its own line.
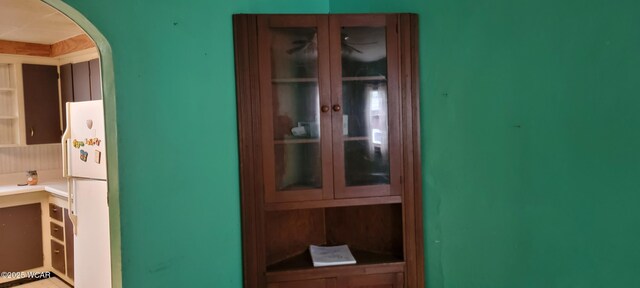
column 37, row 157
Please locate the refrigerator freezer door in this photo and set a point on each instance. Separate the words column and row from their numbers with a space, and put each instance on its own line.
column 92, row 256
column 87, row 146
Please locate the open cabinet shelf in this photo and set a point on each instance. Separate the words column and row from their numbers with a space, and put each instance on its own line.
column 303, row 261
column 9, row 124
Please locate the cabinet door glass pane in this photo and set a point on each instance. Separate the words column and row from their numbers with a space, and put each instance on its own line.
column 296, row 115
column 364, row 102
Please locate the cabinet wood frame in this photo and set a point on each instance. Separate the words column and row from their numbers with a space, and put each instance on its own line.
column 253, row 153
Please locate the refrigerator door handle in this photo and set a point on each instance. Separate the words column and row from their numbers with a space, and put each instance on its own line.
column 65, row 145
column 71, row 205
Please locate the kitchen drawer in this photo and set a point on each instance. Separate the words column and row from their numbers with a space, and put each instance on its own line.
column 57, row 256
column 57, row 231
column 55, row 212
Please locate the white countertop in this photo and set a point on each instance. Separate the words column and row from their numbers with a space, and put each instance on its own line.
column 55, row 187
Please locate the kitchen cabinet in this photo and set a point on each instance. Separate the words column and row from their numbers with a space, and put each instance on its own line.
column 95, row 79
column 66, row 90
column 329, row 147
column 62, row 240
column 55, row 212
column 79, row 82
column 21, row 237
column 68, row 234
column 57, row 256
column 86, row 80
column 42, row 116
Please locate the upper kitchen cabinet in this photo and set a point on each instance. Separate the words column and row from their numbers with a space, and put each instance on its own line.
column 329, row 148
column 95, row 80
column 86, row 80
column 41, row 102
column 79, row 82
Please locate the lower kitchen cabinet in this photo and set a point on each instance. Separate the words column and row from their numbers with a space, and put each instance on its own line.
column 57, row 256
column 21, row 237
column 68, row 233
column 61, row 241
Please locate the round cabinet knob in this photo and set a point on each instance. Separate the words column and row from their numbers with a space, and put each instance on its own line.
column 336, row 108
column 324, row 108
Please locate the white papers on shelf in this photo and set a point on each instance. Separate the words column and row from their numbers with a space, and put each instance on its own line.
column 331, row 255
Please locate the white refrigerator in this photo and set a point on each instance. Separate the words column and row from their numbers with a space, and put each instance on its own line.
column 85, row 167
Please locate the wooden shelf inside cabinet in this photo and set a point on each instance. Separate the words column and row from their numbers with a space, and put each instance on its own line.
column 365, row 78
column 301, row 266
column 297, row 141
column 294, row 80
column 333, row 203
column 3, row 117
column 362, row 138
column 7, row 89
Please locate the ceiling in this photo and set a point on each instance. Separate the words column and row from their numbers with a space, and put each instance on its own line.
column 35, row 22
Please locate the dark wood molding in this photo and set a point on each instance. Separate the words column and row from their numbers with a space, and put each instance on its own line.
column 417, row 154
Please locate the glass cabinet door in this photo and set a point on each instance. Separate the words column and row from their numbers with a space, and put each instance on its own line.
column 365, row 111
column 294, row 85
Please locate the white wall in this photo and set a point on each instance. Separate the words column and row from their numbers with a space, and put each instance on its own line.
column 34, row 157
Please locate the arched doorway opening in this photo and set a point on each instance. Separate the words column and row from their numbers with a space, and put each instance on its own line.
column 108, row 90
column 42, row 42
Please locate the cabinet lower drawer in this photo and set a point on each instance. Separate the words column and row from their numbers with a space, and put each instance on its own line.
column 57, row 256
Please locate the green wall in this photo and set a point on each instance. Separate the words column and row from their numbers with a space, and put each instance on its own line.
column 530, row 140
column 530, row 136
column 175, row 91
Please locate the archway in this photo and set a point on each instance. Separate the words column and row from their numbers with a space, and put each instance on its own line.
column 108, row 88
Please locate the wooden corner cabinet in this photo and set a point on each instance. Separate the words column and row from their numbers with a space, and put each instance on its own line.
column 329, row 148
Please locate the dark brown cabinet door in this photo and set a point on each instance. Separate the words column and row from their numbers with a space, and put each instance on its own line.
column 41, row 105
column 390, row 280
column 57, row 256
column 295, row 96
column 81, row 82
column 68, row 235
column 96, row 81
column 66, row 90
column 364, row 85
column 21, row 238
